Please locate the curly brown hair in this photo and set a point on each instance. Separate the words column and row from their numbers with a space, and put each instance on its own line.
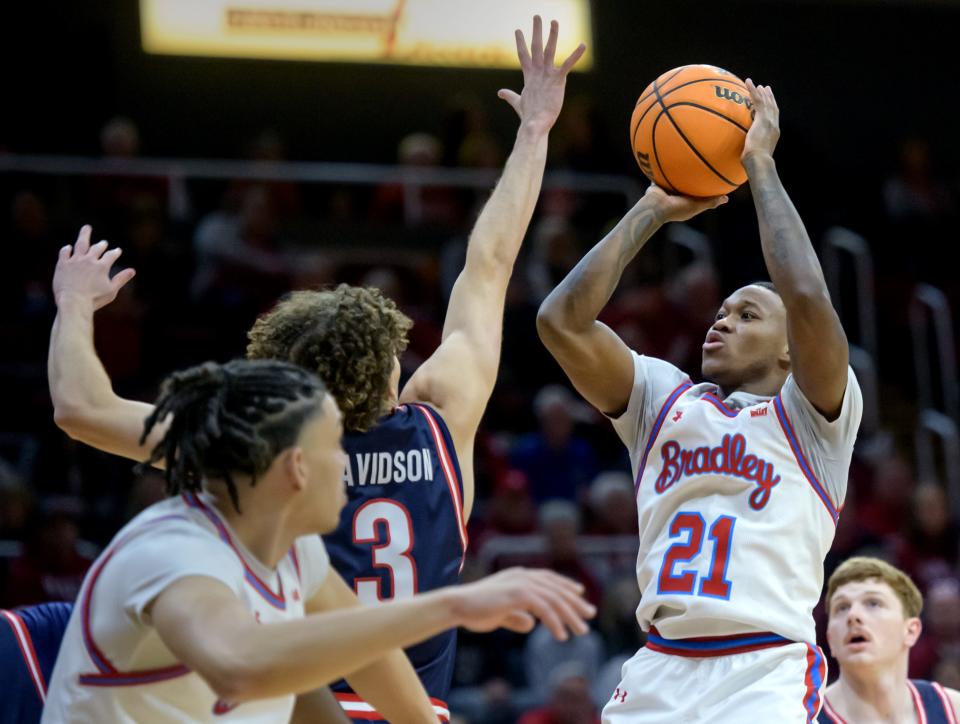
column 349, row 336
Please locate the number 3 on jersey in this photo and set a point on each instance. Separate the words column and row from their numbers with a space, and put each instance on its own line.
column 391, row 553
column 691, row 526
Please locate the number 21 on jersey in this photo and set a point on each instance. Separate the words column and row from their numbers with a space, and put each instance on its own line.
column 689, row 528
column 390, row 551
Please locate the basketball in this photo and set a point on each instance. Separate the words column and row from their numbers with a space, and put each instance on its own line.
column 688, row 129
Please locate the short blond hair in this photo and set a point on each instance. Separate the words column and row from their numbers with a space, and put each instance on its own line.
column 862, row 568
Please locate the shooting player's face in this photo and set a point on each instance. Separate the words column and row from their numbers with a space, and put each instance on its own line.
column 747, row 339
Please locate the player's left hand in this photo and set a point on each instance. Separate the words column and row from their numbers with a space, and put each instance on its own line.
column 540, row 101
column 765, row 131
column 83, row 272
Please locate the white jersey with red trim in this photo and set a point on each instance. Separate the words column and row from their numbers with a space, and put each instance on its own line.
column 113, row 666
column 737, row 500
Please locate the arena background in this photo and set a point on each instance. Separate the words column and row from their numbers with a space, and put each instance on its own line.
column 868, row 109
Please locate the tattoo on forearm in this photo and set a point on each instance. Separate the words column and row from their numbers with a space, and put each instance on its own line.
column 641, row 228
column 590, row 284
column 786, row 246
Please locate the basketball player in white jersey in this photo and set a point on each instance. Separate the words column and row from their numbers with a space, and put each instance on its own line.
column 739, row 480
column 200, row 608
column 874, row 621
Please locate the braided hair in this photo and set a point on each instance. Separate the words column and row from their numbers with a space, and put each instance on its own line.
column 230, row 419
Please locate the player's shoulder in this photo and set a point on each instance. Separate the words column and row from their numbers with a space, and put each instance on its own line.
column 655, row 368
column 167, row 512
column 934, row 694
column 658, row 379
column 403, row 416
column 851, row 410
column 42, row 616
column 173, row 516
column 425, row 416
column 171, row 529
column 416, row 410
column 656, row 384
column 954, row 696
column 791, row 386
column 851, row 376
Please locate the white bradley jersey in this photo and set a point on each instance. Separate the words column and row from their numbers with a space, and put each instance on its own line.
column 113, row 666
column 737, row 500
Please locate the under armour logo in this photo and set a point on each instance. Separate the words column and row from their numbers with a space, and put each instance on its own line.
column 296, row 595
column 620, row 696
column 678, row 415
column 221, row 707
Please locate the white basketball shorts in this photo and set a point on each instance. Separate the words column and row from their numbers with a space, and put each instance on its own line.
column 756, row 678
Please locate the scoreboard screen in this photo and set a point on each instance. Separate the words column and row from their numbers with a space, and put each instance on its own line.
column 457, row 33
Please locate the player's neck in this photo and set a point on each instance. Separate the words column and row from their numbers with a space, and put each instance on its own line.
column 873, row 694
column 389, row 405
column 392, row 399
column 766, row 386
column 266, row 534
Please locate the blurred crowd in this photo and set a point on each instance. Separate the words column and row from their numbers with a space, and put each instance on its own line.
column 553, row 482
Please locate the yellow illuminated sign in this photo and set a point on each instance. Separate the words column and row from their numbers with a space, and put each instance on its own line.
column 458, row 33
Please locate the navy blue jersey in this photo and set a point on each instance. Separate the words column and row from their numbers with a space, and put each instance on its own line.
column 402, row 531
column 29, row 641
column 929, row 700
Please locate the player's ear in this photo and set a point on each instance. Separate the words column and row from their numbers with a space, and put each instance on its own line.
column 912, row 630
column 784, row 359
column 294, row 467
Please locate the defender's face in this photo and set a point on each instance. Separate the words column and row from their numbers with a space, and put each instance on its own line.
column 324, row 461
column 748, row 338
column 867, row 624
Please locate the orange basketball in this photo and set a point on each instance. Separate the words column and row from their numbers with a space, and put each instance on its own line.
column 688, row 128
